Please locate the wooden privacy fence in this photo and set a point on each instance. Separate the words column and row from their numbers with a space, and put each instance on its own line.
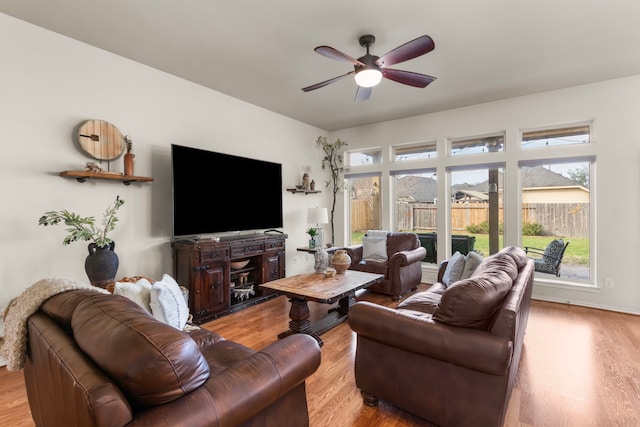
column 422, row 216
column 557, row 219
column 364, row 216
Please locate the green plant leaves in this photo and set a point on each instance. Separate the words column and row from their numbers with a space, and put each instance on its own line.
column 84, row 228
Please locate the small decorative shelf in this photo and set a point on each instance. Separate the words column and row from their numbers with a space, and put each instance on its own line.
column 300, row 190
column 82, row 176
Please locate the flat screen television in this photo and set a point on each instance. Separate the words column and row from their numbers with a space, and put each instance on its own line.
column 216, row 192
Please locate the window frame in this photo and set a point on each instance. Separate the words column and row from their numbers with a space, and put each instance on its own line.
column 568, row 129
column 375, row 150
column 471, row 139
column 414, row 148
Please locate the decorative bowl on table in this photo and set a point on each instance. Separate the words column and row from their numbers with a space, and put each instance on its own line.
column 330, row 272
column 237, row 265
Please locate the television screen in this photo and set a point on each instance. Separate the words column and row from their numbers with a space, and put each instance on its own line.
column 215, row 192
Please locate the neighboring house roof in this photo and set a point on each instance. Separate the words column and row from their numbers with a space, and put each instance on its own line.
column 532, row 177
column 471, row 195
column 538, row 176
column 421, row 189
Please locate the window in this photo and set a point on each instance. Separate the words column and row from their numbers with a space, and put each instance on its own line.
column 364, row 205
column 424, row 150
column 556, row 200
column 364, row 157
column 477, row 145
column 551, row 177
column 477, row 209
column 556, row 137
column 415, row 206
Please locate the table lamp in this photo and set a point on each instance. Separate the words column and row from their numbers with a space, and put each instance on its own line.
column 318, row 216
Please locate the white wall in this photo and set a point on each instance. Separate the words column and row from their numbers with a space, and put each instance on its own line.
column 50, row 84
column 614, row 107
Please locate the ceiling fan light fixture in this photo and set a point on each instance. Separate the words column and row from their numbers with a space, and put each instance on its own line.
column 368, row 69
column 368, row 77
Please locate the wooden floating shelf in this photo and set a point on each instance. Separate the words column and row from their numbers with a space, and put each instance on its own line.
column 299, row 190
column 82, row 176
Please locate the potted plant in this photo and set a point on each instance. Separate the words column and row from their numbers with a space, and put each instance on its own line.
column 101, row 264
column 333, row 160
column 312, row 232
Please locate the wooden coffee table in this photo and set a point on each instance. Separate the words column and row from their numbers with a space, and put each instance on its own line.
column 303, row 288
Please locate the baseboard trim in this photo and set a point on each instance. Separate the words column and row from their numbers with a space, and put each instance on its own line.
column 586, row 305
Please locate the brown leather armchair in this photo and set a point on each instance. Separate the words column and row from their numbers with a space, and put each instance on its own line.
column 101, row 360
column 402, row 269
column 449, row 354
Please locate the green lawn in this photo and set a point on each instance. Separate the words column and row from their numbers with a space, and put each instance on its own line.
column 356, row 237
column 577, row 252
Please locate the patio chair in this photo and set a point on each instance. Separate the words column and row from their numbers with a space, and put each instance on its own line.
column 549, row 260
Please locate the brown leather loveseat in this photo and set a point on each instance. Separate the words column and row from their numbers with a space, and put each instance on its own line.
column 101, row 360
column 402, row 265
column 448, row 354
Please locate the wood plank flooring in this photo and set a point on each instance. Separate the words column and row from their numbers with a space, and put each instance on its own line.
column 580, row 367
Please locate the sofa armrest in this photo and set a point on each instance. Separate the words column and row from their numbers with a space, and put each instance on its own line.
column 355, row 252
column 249, row 386
column 244, row 389
column 469, row 348
column 402, row 258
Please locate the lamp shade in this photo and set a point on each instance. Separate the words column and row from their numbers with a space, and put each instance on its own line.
column 317, row 216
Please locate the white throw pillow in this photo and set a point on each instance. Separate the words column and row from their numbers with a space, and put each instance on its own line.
column 454, row 269
column 168, row 304
column 471, row 262
column 376, row 233
column 138, row 292
column 374, row 248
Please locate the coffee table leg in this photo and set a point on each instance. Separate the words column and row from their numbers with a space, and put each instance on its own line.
column 343, row 305
column 300, row 323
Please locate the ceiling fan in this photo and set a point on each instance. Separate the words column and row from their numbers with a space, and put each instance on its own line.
column 370, row 69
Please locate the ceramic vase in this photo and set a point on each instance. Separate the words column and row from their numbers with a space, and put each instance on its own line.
column 340, row 261
column 321, row 260
column 128, row 163
column 101, row 265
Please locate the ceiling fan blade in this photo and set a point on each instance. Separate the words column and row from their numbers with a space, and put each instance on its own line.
column 407, row 51
column 326, row 82
column 332, row 53
column 363, row 93
column 407, row 77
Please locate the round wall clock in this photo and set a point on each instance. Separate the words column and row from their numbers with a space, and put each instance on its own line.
column 100, row 140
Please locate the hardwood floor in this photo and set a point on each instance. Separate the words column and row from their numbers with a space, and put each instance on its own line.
column 580, row 367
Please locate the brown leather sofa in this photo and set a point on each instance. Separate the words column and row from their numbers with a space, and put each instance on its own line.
column 402, row 269
column 449, row 354
column 101, row 360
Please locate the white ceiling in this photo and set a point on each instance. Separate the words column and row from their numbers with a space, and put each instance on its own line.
column 261, row 51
